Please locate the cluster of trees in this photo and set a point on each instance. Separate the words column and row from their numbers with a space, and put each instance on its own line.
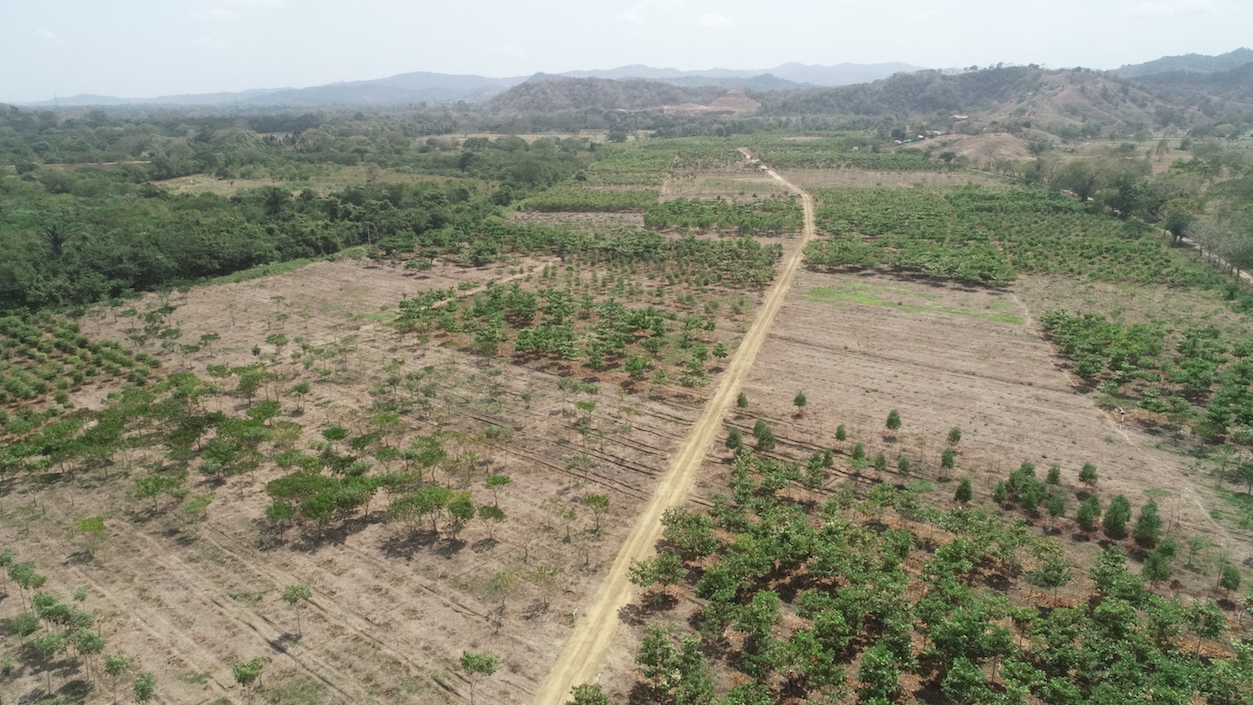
column 50, row 628
column 1135, row 355
column 771, row 216
column 975, row 234
column 873, row 603
column 591, row 200
column 558, row 323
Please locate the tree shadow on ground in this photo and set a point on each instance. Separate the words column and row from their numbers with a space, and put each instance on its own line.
column 313, row 540
column 408, row 544
column 631, row 615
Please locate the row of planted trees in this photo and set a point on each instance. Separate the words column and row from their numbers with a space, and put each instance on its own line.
column 885, row 597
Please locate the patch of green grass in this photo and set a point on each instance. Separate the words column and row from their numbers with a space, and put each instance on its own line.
column 196, row 678
column 877, row 296
column 1242, row 504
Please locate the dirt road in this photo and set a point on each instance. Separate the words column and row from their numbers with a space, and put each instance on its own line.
column 585, row 650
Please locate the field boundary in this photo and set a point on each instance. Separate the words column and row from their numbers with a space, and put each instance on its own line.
column 585, row 649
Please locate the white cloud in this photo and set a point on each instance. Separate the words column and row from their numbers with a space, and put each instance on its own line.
column 637, row 12
column 46, row 34
column 1170, row 8
column 716, row 20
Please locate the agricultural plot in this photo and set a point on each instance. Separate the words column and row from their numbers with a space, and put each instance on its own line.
column 340, row 431
column 983, row 236
column 863, row 178
column 772, row 569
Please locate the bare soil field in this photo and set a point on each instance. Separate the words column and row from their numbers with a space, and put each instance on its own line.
column 596, row 222
column 392, row 608
column 861, row 345
column 323, row 180
column 859, row 178
column 736, row 182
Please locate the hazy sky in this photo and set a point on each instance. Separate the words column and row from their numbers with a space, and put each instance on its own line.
column 146, row 48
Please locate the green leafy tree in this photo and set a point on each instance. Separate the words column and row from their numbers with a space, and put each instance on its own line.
column 1156, row 568
column 964, row 491
column 664, row 570
column 493, row 515
column 879, row 675
column 93, row 533
column 1229, row 578
column 965, row 683
column 841, row 433
column 1056, row 505
column 948, row 458
column 893, row 422
column 691, row 532
column 248, row 673
column 478, row 666
column 799, row 401
column 735, row 440
column 1054, row 569
column 954, row 435
column 145, row 688
column 741, row 401
column 599, row 504
column 1116, row 517
column 859, row 453
column 766, row 441
column 1087, row 474
column 588, row 694
column 460, row 512
column 1054, row 475
column 1089, row 512
column 494, row 483
column 297, row 595
column 116, row 666
column 1001, row 493
column 1148, row 525
column 1205, row 618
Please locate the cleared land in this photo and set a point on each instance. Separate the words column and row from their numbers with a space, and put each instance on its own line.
column 392, row 608
column 583, row 652
column 860, row 346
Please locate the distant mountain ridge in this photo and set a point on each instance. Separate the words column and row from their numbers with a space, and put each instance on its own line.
column 1190, row 63
column 815, row 75
column 422, row 86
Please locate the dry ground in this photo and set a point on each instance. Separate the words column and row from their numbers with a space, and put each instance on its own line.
column 740, row 181
column 858, row 178
column 594, row 222
column 946, row 356
column 392, row 610
column 323, row 179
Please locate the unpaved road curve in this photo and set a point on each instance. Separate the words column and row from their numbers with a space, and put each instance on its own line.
column 592, row 634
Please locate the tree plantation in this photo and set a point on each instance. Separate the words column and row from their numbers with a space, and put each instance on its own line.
column 392, row 406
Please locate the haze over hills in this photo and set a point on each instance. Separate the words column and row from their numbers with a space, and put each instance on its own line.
column 421, row 86
column 1191, row 63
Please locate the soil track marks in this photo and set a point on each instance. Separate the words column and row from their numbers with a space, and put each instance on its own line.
column 586, row 647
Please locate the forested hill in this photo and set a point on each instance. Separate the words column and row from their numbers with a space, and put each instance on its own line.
column 566, row 94
column 920, row 92
column 1188, row 63
column 1215, row 93
column 1027, row 93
